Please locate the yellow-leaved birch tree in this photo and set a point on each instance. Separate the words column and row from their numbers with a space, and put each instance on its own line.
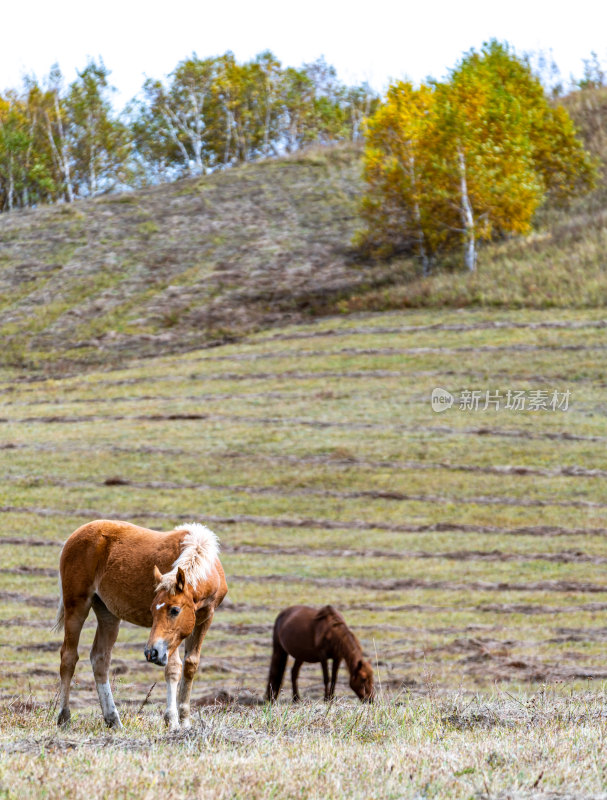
column 453, row 163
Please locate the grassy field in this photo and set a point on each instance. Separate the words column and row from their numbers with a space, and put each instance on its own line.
column 465, row 549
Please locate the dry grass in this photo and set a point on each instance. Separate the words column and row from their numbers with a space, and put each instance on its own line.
column 457, row 746
column 466, row 550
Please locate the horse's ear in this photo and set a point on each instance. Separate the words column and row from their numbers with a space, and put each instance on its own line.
column 157, row 575
column 180, row 580
column 325, row 612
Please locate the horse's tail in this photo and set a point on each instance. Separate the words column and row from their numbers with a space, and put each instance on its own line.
column 60, row 618
column 277, row 666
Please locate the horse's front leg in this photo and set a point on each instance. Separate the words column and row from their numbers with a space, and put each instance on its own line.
column 172, row 673
column 334, row 671
column 294, row 676
column 193, row 646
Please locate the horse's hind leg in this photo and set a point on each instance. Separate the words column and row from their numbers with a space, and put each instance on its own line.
column 277, row 669
column 193, row 646
column 294, row 676
column 75, row 614
column 101, row 654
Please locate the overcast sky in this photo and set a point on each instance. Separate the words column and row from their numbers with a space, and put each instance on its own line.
column 374, row 41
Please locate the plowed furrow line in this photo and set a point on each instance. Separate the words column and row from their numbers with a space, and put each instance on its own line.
column 45, row 572
column 400, row 351
column 299, row 375
column 190, row 398
column 28, row 541
column 320, row 424
column 407, row 329
column 569, row 471
column 32, row 600
column 277, row 491
column 404, row 584
column 295, row 522
column 562, row 557
column 440, row 375
column 528, row 609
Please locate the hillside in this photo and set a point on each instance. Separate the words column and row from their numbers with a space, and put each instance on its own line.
column 203, row 261
column 178, row 265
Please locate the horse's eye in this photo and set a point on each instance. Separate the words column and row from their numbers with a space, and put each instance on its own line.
column 174, row 611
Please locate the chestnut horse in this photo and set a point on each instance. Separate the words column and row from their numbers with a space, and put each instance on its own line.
column 313, row 635
column 171, row 582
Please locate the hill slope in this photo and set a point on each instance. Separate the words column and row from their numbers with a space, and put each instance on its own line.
column 201, row 261
column 178, row 265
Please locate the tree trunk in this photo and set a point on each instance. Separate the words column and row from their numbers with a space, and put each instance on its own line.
column 166, row 114
column 418, row 219
column 467, row 216
column 62, row 152
column 197, row 135
column 92, row 171
column 11, row 184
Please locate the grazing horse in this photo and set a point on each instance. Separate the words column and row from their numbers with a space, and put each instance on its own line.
column 313, row 635
column 171, row 582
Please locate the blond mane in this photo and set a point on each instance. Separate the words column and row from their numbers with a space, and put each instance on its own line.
column 199, row 551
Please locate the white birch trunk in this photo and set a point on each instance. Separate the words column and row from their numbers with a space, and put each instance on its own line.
column 466, row 215
column 92, row 167
column 195, row 134
column 60, row 152
column 65, row 162
column 226, row 152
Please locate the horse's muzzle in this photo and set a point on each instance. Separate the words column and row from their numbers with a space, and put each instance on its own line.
column 157, row 654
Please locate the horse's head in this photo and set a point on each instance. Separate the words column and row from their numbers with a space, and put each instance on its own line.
column 173, row 618
column 361, row 681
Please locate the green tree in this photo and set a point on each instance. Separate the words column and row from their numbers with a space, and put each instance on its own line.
column 172, row 127
column 14, row 143
column 99, row 141
column 57, row 128
column 25, row 166
column 215, row 112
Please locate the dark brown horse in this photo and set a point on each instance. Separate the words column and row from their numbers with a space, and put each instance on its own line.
column 313, row 635
column 169, row 582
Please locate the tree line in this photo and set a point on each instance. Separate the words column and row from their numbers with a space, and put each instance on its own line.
column 446, row 164
column 451, row 163
column 61, row 141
